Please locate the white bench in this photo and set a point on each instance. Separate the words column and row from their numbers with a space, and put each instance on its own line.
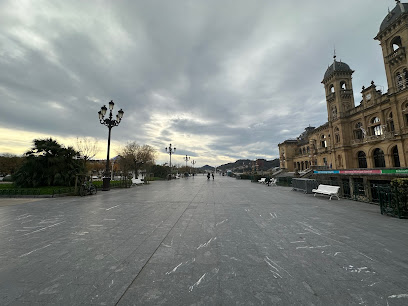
column 327, row 190
column 272, row 182
column 262, row 180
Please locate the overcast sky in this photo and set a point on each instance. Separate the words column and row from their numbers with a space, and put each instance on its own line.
column 219, row 80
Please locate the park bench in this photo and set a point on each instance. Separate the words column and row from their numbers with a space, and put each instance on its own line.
column 272, row 182
column 262, row 180
column 327, row 190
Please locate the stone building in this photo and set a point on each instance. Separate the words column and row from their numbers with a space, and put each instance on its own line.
column 373, row 134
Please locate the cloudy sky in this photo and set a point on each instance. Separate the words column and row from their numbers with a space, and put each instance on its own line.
column 220, row 80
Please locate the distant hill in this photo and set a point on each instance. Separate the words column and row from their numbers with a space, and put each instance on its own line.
column 246, row 164
column 207, row 168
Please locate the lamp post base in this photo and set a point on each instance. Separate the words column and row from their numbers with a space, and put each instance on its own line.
column 106, row 184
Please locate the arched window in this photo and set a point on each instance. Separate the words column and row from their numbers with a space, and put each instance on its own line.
column 308, row 150
column 359, row 132
column 331, row 88
column 323, row 142
column 379, row 161
column 396, row 43
column 399, row 80
column 300, row 151
column 362, row 160
column 405, row 76
column 376, row 127
column 343, row 85
column 395, row 157
column 304, row 151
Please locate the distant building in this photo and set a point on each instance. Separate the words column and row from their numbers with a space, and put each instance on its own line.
column 373, row 134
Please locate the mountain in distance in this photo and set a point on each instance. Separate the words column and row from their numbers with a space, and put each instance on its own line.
column 207, row 168
column 246, row 164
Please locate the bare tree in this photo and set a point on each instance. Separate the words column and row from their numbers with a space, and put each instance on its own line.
column 135, row 157
column 88, row 147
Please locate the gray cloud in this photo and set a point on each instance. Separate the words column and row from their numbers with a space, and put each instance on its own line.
column 229, row 78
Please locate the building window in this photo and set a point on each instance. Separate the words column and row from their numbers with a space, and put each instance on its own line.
column 325, row 161
column 396, row 157
column 331, row 89
column 399, row 80
column 396, row 43
column 304, row 151
column 405, row 74
column 359, row 132
column 323, row 142
column 343, row 85
column 376, row 127
column 362, row 160
column 379, row 161
column 308, row 150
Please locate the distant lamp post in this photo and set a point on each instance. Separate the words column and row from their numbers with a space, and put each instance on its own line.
column 193, row 162
column 186, row 159
column 110, row 123
column 170, row 150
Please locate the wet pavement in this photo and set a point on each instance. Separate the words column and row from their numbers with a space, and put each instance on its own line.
column 198, row 242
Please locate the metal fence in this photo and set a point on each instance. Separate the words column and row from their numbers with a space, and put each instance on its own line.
column 393, row 202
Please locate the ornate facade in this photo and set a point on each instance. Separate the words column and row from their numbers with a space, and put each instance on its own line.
column 373, row 134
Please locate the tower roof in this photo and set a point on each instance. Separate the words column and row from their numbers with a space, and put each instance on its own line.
column 337, row 67
column 399, row 10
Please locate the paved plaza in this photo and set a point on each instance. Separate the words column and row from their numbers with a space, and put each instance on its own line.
column 198, row 242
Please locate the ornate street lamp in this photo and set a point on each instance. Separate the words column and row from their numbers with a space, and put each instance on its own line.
column 186, row 159
column 170, row 150
column 110, row 123
column 193, row 162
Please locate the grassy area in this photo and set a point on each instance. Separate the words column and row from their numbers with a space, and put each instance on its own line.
column 11, row 189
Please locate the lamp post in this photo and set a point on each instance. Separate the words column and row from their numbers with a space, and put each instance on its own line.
column 110, row 123
column 170, row 150
column 186, row 159
column 193, row 162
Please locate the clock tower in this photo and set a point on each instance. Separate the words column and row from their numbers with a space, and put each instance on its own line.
column 339, row 89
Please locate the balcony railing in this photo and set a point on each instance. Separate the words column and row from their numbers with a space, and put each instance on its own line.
column 346, row 93
column 331, row 96
column 397, row 56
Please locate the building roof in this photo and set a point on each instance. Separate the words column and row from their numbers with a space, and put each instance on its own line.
column 337, row 67
column 392, row 16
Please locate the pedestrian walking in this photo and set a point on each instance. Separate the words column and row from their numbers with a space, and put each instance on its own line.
column 212, row 175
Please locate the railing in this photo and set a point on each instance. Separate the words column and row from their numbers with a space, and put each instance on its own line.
column 284, row 181
column 346, row 93
column 331, row 96
column 396, row 56
column 393, row 202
